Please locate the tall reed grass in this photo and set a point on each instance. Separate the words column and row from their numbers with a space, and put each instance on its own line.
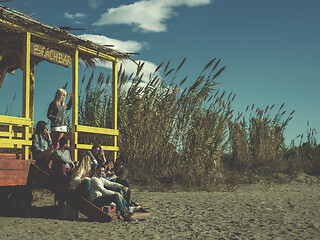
column 258, row 143
column 167, row 131
column 188, row 134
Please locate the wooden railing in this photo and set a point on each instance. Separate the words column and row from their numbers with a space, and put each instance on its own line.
column 97, row 131
column 15, row 132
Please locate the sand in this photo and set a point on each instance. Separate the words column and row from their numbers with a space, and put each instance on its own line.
column 256, row 211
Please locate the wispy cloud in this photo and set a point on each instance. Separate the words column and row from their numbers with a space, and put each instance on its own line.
column 146, row 15
column 94, row 4
column 123, row 46
column 75, row 16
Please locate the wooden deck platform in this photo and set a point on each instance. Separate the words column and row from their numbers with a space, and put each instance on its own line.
column 18, row 176
column 13, row 172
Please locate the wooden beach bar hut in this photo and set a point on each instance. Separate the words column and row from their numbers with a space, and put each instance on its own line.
column 24, row 42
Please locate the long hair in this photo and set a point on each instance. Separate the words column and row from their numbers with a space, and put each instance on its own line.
column 41, row 126
column 60, row 96
column 84, row 165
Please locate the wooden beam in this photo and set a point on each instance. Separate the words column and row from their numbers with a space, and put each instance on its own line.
column 56, row 40
column 13, row 174
column 96, row 130
column 96, row 53
column 26, row 90
column 75, row 97
column 32, row 87
column 9, row 162
column 15, row 120
column 16, row 141
column 115, row 104
column 48, row 37
column 88, row 147
column 13, row 181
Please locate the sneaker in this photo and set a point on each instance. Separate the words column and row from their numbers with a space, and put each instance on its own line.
column 128, row 218
column 134, row 208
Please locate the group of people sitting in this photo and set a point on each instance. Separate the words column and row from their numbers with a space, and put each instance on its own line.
column 102, row 182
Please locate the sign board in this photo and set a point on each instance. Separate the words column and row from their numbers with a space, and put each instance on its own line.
column 50, row 55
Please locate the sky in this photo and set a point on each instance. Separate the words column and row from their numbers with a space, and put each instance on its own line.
column 271, row 48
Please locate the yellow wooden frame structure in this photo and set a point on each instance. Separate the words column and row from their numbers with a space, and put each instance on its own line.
column 12, row 138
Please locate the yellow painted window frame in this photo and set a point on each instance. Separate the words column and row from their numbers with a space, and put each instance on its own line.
column 28, row 105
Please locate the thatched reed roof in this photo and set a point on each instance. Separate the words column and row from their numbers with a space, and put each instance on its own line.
column 13, row 26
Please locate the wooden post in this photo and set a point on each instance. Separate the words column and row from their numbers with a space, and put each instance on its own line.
column 32, row 87
column 115, row 104
column 75, row 98
column 26, row 91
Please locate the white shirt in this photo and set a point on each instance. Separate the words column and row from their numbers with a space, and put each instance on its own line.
column 98, row 185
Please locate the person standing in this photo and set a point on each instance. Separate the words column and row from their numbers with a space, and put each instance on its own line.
column 58, row 116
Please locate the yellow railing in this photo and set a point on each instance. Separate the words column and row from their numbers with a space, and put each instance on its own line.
column 12, row 132
column 97, row 131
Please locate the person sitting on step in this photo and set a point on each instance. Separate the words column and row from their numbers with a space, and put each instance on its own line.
column 97, row 157
column 100, row 196
column 113, row 177
column 62, row 165
column 42, row 146
column 81, row 177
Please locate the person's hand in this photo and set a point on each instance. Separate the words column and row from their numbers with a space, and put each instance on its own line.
column 114, row 176
column 87, row 178
column 46, row 132
column 126, row 189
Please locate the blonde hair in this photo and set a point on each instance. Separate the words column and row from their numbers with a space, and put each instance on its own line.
column 84, row 165
column 60, row 96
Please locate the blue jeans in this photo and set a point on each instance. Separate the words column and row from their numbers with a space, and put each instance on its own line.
column 84, row 188
column 106, row 199
column 125, row 182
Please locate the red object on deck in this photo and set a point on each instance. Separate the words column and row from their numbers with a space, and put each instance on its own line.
column 13, row 172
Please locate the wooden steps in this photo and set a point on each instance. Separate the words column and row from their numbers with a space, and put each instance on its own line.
column 13, row 172
column 80, row 203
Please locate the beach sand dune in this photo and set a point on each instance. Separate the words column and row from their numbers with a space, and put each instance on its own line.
column 256, row 211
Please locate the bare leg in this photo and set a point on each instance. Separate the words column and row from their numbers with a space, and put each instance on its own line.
column 56, row 136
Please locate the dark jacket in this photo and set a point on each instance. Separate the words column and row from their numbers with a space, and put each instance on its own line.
column 55, row 111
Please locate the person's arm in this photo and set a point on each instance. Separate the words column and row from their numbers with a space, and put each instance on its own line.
column 79, row 178
column 110, row 184
column 69, row 105
column 48, row 137
column 93, row 159
column 64, row 156
column 50, row 114
column 36, row 145
column 103, row 157
column 99, row 185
